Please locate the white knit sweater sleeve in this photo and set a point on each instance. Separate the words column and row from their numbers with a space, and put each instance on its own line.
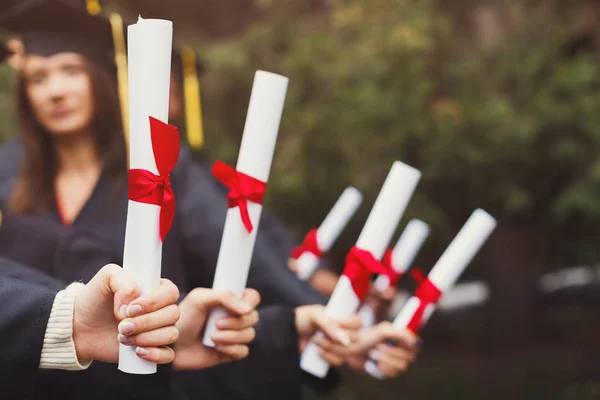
column 58, row 350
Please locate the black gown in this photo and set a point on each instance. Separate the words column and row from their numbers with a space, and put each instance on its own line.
column 190, row 253
column 54, row 249
column 24, row 315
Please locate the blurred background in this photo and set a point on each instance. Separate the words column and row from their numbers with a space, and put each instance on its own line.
column 496, row 102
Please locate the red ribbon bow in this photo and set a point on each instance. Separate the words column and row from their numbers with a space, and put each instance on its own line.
column 242, row 188
column 309, row 245
column 146, row 187
column 427, row 293
column 391, row 273
column 360, row 264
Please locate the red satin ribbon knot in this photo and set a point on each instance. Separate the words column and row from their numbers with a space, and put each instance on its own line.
column 309, row 245
column 427, row 293
column 360, row 264
column 242, row 188
column 146, row 187
column 393, row 276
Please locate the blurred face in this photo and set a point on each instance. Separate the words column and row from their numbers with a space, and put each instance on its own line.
column 60, row 92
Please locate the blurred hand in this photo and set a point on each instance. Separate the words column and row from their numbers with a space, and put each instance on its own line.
column 337, row 336
column 376, row 343
column 293, row 265
column 381, row 301
column 232, row 337
column 147, row 322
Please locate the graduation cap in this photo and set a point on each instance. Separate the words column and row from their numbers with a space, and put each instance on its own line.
column 47, row 27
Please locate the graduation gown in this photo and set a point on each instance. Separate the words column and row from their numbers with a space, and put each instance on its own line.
column 23, row 318
column 191, row 249
column 70, row 254
column 190, row 253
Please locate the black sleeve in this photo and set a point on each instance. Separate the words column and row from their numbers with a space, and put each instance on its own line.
column 23, row 318
column 201, row 212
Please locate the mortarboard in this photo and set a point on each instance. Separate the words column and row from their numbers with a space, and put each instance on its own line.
column 48, row 27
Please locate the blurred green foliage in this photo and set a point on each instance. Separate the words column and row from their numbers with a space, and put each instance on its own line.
column 511, row 127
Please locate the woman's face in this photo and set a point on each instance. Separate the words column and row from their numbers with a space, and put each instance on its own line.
column 60, row 92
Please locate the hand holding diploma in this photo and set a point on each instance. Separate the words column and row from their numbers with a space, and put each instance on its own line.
column 443, row 275
column 147, row 322
column 337, row 335
column 231, row 340
column 393, row 350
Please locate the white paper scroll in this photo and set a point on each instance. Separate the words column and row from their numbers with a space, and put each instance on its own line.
column 403, row 255
column 256, row 154
column 329, row 230
column 449, row 267
column 149, row 44
column 375, row 237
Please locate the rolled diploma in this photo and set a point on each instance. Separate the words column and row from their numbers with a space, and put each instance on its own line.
column 403, row 255
column 329, row 230
column 375, row 237
column 255, row 157
column 449, row 267
column 149, row 44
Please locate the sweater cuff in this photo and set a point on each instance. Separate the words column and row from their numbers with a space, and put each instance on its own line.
column 58, row 350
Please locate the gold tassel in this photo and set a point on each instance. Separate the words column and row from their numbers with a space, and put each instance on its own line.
column 191, row 94
column 116, row 23
column 93, row 7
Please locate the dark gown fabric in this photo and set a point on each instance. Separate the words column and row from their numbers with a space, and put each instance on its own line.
column 24, row 315
column 190, row 253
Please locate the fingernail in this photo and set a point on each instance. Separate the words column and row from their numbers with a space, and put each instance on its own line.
column 244, row 308
column 217, row 335
column 142, row 351
column 223, row 324
column 123, row 311
column 126, row 340
column 134, row 310
column 343, row 337
column 374, row 355
column 126, row 327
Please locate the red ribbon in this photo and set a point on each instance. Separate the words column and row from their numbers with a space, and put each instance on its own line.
column 360, row 264
column 309, row 245
column 427, row 293
column 392, row 275
column 242, row 188
column 146, row 187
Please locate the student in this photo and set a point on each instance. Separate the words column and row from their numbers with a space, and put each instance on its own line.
column 41, row 327
column 74, row 166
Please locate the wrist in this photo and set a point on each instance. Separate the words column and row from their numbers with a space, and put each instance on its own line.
column 79, row 334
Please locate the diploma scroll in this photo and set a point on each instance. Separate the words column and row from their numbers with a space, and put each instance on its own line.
column 327, row 233
column 254, row 163
column 149, row 44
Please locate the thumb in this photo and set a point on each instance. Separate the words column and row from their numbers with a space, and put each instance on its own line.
column 330, row 327
column 123, row 289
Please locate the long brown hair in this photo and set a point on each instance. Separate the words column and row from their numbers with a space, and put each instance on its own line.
column 34, row 190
